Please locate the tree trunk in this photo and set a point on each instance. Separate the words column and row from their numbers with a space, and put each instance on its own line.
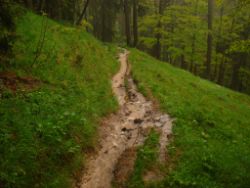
column 28, row 3
column 194, row 39
column 209, row 39
column 240, row 60
column 127, row 22
column 183, row 62
column 191, row 67
column 235, row 74
column 40, row 6
column 215, row 72
column 157, row 47
column 195, row 69
column 83, row 12
column 135, row 21
column 221, row 72
column 103, row 28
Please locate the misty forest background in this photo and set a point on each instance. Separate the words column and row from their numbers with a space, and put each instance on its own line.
column 209, row 38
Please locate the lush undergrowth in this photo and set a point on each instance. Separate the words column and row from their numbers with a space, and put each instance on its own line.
column 211, row 142
column 49, row 107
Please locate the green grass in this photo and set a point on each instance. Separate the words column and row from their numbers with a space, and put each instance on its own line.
column 46, row 131
column 147, row 156
column 211, row 143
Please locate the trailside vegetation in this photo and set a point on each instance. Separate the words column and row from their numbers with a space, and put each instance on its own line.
column 210, row 136
column 51, row 100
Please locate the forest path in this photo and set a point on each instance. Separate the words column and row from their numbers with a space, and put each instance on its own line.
column 123, row 132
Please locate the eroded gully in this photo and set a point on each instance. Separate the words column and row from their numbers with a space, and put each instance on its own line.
column 124, row 131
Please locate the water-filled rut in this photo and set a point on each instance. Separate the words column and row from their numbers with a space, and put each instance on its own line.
column 122, row 132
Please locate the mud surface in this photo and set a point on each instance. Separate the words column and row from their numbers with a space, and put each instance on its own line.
column 123, row 132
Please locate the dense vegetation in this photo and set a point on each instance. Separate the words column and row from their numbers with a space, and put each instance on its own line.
column 50, row 103
column 211, row 142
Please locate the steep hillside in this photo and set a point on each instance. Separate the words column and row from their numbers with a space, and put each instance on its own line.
column 57, row 86
column 211, row 141
column 51, row 98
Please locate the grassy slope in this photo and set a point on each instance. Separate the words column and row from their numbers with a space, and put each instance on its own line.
column 211, row 134
column 44, row 132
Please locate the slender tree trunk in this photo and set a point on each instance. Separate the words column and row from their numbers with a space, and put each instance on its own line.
column 209, row 39
column 219, row 77
column 215, row 72
column 191, row 67
column 193, row 52
column 221, row 72
column 59, row 14
column 135, row 21
column 40, row 6
column 240, row 61
column 28, row 3
column 157, row 50
column 157, row 47
column 195, row 69
column 75, row 12
column 83, row 12
column 183, row 62
column 235, row 74
column 103, row 28
column 194, row 39
column 47, row 7
column 127, row 22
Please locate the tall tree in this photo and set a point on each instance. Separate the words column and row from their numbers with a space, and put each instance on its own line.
column 7, row 28
column 209, row 38
column 191, row 68
column 157, row 47
column 127, row 22
column 40, row 5
column 135, row 21
column 220, row 49
column 28, row 3
column 83, row 12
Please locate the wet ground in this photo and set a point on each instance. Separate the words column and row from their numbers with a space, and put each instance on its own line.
column 123, row 132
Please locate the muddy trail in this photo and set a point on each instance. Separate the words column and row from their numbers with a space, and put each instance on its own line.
column 123, row 132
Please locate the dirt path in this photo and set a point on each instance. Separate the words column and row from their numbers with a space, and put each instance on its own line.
column 123, row 132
